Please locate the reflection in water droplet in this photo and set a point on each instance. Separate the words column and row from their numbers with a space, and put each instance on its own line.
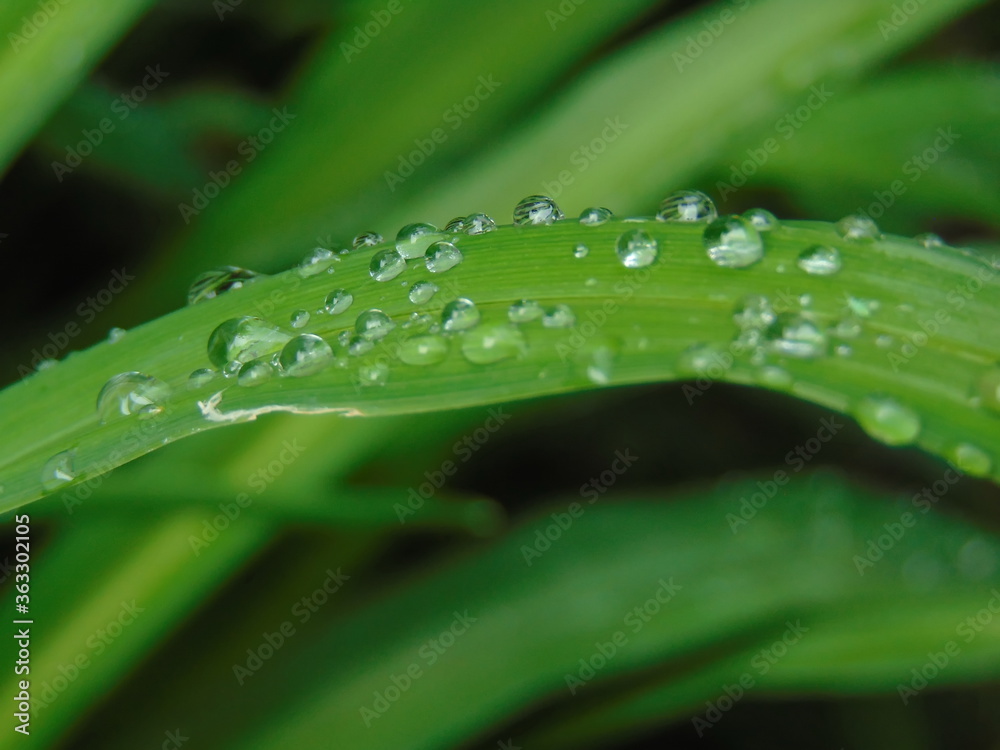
column 887, row 420
column 243, row 339
column 929, row 240
column 560, row 316
column 761, row 219
column 116, row 334
column 366, row 239
column 455, row 226
column 372, row 375
column 200, row 378
column 422, row 292
column 373, row 325
column 386, row 265
column 858, row 228
column 636, row 249
column 536, row 210
column 488, row 344
column 687, row 205
column 792, row 335
column 754, row 312
column 413, row 239
column 479, row 223
column 732, row 242
column 524, row 311
column 254, row 373
column 131, row 393
column 592, row 217
column 306, row 354
column 441, row 257
column 600, row 366
column 299, row 318
column 338, row 301
column 460, row 315
column 581, row 250
column 820, row 260
column 319, row 260
column 213, row 283
column 58, row 471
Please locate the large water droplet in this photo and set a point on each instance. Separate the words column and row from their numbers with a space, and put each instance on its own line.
column 887, row 420
column 422, row 292
column 58, row 470
column 255, row 373
column 243, row 339
column 559, row 316
column 792, row 335
column 366, row 239
column 373, row 325
column 413, row 239
column 732, row 242
column 479, row 223
column 820, row 260
column 687, row 205
column 460, row 315
column 536, row 209
column 338, row 301
column 971, row 459
column 442, row 256
column 524, row 311
column 304, row 355
column 761, row 219
column 858, row 228
column 213, row 283
column 423, row 350
column 636, row 249
column 386, row 265
column 488, row 344
column 595, row 216
column 131, row 393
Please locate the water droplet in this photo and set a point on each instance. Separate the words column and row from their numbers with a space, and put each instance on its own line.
column 687, row 205
column 116, row 334
column 413, row 239
column 419, row 322
column 887, row 420
column 46, row 364
column 131, row 393
column 843, row 350
column 357, row 346
column 524, row 311
column 971, row 459
column 820, row 260
column 213, row 283
column 306, row 354
column 200, row 378
column 775, row 377
column 58, row 470
column 243, row 339
column 732, row 242
column 858, row 228
column 479, row 223
column 460, row 315
column 373, row 325
column 989, row 389
column 338, row 301
column 319, row 260
column 698, row 358
column 299, row 318
column 536, row 209
column 488, row 344
column 792, row 335
column 848, row 328
column 456, row 225
column 863, row 308
column 422, row 292
column 442, row 256
column 386, row 265
column 600, row 365
column 754, row 312
column 761, row 219
column 374, row 374
column 636, row 249
column 254, row 373
column 595, row 216
column 366, row 239
column 581, row 250
column 884, row 341
column 929, row 240
column 560, row 316
column 423, row 350
column 231, row 369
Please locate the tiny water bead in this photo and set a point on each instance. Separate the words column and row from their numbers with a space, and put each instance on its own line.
column 366, row 239
column 200, row 378
column 243, row 339
column 761, row 219
column 116, row 334
column 460, row 315
column 58, row 470
column 595, row 216
column 820, row 260
column 524, row 311
column 372, row 325
column 687, row 205
column 299, row 319
column 338, row 301
column 412, row 240
column 423, row 350
column 887, row 420
column 131, row 393
column 304, row 355
column 479, row 223
column 858, row 228
column 441, row 257
column 971, row 459
column 386, row 265
column 536, row 210
column 792, row 335
column 254, row 373
column 930, row 240
column 581, row 250
column 732, row 242
column 559, row 316
column 488, row 344
column 422, row 292
column 636, row 249
column 213, row 283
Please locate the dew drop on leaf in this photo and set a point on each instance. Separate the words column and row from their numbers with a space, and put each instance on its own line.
column 366, row 239
column 792, row 335
column 559, row 316
column 485, row 345
column 412, row 240
column 255, row 373
column 971, row 459
column 386, row 265
column 423, row 350
column 687, row 205
column 422, row 292
column 732, row 242
column 479, row 223
column 460, row 315
column 858, row 228
column 887, row 420
column 441, row 257
column 595, row 216
column 819, row 260
column 116, row 334
column 58, row 470
column 213, row 283
column 636, row 249
column 373, row 325
column 299, row 319
column 243, row 339
column 200, row 378
column 304, row 355
column 131, row 393
column 581, row 250
column 761, row 219
column 536, row 210
column 338, row 301
column 524, row 311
